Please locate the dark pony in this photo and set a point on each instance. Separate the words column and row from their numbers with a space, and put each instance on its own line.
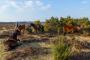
column 12, row 41
column 37, row 28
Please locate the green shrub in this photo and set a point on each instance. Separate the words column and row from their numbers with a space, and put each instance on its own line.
column 61, row 50
column 29, row 30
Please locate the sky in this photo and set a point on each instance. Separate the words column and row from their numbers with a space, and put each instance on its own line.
column 31, row 10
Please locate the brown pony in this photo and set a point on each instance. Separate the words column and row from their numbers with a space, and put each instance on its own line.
column 72, row 29
column 68, row 29
column 21, row 28
column 78, row 29
column 35, row 27
column 12, row 41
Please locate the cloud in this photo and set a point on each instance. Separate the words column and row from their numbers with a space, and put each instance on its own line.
column 26, row 4
column 46, row 7
column 3, row 8
column 39, row 3
column 31, row 8
column 42, row 6
column 84, row 2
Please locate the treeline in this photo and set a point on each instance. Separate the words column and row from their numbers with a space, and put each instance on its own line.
column 55, row 24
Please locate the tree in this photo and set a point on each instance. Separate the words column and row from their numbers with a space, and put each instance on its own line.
column 52, row 24
column 39, row 25
column 37, row 22
column 47, row 26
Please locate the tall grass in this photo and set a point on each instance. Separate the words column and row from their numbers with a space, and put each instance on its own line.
column 61, row 50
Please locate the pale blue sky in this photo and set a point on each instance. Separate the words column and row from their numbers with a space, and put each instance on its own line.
column 30, row 10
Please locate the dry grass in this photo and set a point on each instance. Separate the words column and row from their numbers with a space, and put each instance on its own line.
column 39, row 48
column 27, row 51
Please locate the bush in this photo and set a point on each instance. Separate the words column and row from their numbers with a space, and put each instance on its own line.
column 29, row 30
column 61, row 50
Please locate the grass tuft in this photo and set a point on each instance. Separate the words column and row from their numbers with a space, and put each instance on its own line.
column 61, row 50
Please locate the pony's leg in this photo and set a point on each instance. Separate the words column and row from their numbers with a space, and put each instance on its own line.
column 23, row 31
column 72, row 31
column 64, row 32
column 37, row 31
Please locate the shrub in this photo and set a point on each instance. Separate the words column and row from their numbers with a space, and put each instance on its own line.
column 61, row 50
column 29, row 30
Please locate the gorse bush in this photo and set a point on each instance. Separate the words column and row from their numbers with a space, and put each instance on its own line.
column 55, row 25
column 29, row 30
column 61, row 50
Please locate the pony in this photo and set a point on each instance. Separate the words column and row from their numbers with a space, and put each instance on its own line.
column 78, row 29
column 12, row 41
column 21, row 27
column 72, row 29
column 37, row 28
column 68, row 29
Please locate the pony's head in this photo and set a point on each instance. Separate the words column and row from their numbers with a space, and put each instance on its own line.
column 21, row 27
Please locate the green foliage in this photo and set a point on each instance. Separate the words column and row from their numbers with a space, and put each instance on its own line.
column 29, row 30
column 47, row 26
column 37, row 22
column 61, row 50
column 86, row 30
column 41, row 27
column 51, row 25
column 55, row 24
column 81, row 21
